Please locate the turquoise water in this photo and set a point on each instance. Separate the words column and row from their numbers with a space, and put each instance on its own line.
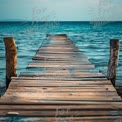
column 92, row 39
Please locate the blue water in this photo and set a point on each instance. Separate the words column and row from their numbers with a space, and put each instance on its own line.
column 91, row 38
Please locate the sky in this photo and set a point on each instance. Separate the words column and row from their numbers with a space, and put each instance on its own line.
column 61, row 10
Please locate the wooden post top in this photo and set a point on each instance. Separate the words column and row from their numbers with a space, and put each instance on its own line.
column 115, row 43
column 10, row 43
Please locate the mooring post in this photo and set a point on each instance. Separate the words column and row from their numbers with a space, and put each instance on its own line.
column 11, row 59
column 113, row 61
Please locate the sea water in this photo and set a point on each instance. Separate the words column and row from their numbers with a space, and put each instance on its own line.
column 91, row 38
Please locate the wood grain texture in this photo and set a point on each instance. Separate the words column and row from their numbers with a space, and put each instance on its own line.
column 113, row 61
column 11, row 59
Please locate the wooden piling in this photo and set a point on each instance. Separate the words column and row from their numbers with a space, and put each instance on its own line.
column 113, row 61
column 11, row 59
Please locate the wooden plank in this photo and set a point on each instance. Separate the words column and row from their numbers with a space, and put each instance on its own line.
column 59, row 71
column 62, row 56
column 55, row 70
column 39, row 84
column 83, row 91
column 64, row 78
column 60, row 89
column 70, row 75
column 61, row 66
column 58, row 51
column 93, row 94
column 46, row 96
column 53, row 113
column 16, row 101
column 76, row 93
column 106, row 82
column 36, row 100
column 59, row 56
column 60, row 62
column 37, row 57
column 61, row 79
column 101, row 107
column 59, row 48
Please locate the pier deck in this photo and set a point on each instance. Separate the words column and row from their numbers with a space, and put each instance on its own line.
column 66, row 89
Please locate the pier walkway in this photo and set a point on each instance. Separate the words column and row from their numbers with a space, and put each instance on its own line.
column 67, row 88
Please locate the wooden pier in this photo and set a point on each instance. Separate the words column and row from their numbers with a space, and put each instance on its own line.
column 66, row 89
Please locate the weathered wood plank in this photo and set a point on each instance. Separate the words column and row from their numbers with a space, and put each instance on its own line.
column 57, row 89
column 58, row 59
column 61, row 66
column 61, row 62
column 48, row 82
column 62, row 107
column 83, row 93
column 5, row 101
column 46, row 96
column 54, row 94
column 27, row 100
column 65, row 75
column 86, row 87
column 57, row 51
column 45, row 113
column 61, row 79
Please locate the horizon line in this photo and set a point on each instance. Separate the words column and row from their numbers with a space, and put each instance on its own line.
column 57, row 21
